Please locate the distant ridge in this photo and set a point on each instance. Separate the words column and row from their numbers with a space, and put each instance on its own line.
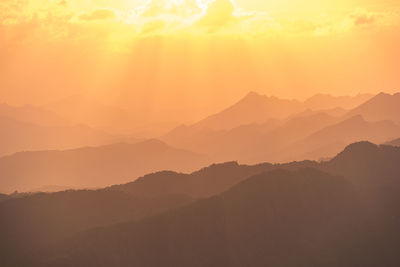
column 253, row 108
column 348, row 202
column 260, row 128
column 326, row 101
column 16, row 136
column 90, row 167
column 394, row 142
column 33, row 114
column 381, row 107
column 276, row 217
column 330, row 140
column 257, row 108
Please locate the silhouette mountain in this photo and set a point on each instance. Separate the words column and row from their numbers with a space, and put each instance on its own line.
column 221, row 145
column 87, row 111
column 332, row 139
column 93, row 166
column 25, row 228
column 260, row 128
column 334, row 112
column 284, row 215
column 200, row 184
column 277, row 140
column 368, row 164
column 34, row 115
column 250, row 143
column 381, row 107
column 326, row 101
column 32, row 222
column 18, row 136
column 394, row 142
column 258, row 109
column 253, row 108
column 279, row 218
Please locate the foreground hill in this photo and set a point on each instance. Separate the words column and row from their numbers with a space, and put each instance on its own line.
column 373, row 168
column 280, row 218
column 93, row 166
column 297, row 217
column 34, row 221
column 16, row 136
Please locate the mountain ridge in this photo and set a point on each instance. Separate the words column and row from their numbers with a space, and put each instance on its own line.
column 93, row 166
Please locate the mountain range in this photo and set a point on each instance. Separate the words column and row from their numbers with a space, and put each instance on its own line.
column 33, row 115
column 92, row 166
column 83, row 110
column 256, row 129
column 305, row 133
column 342, row 212
column 381, row 107
column 256, row 108
column 16, row 136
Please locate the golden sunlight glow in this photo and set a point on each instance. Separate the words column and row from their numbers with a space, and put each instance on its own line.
column 156, row 49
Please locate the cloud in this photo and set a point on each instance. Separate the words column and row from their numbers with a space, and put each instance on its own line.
column 153, row 26
column 163, row 8
column 99, row 14
column 363, row 17
column 218, row 13
column 63, row 3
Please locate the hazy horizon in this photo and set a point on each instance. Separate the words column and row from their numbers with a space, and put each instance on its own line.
column 182, row 60
column 199, row 133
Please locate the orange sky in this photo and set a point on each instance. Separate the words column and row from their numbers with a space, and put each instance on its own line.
column 187, row 58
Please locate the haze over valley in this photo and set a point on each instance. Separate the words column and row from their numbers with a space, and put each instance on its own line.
column 199, row 133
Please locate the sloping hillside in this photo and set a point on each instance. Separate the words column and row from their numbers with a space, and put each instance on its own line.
column 93, row 166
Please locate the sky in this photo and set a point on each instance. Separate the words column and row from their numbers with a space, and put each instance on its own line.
column 188, row 58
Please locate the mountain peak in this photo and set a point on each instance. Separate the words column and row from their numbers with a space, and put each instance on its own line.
column 382, row 95
column 381, row 107
column 357, row 150
column 253, row 96
column 363, row 145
